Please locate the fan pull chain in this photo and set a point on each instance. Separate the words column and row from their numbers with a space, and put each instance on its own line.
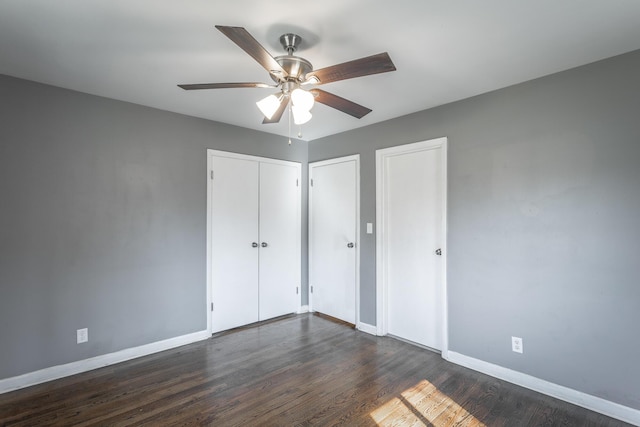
column 289, row 123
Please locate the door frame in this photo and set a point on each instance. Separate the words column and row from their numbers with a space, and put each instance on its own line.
column 336, row 160
column 381, row 282
column 218, row 153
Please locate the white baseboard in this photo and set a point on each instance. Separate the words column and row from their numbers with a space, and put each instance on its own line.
column 60, row 371
column 593, row 403
column 367, row 328
column 303, row 309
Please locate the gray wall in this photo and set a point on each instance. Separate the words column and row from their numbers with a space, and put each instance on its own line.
column 103, row 222
column 543, row 223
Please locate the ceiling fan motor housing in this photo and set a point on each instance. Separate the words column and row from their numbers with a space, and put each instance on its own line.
column 295, row 67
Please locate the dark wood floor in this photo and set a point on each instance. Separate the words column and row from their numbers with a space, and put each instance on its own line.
column 297, row 371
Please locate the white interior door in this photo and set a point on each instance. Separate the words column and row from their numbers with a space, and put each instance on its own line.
column 333, row 237
column 234, row 230
column 412, row 206
column 279, row 239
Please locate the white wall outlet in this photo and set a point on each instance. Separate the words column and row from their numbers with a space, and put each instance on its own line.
column 82, row 335
column 516, row 344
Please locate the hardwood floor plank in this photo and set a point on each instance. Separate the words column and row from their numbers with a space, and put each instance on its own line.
column 302, row 370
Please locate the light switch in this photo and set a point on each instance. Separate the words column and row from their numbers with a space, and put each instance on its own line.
column 369, row 228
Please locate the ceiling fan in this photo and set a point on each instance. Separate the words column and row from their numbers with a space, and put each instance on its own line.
column 290, row 73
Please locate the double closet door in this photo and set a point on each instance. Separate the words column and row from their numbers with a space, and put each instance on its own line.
column 254, row 239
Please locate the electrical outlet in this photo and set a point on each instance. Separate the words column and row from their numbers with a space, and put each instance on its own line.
column 516, row 344
column 82, row 335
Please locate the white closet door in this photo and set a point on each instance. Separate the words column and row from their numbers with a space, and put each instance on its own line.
column 332, row 229
column 234, row 229
column 412, row 215
column 279, row 239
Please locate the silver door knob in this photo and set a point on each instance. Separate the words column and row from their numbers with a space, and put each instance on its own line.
column 350, row 245
column 264, row 244
column 254, row 245
column 438, row 251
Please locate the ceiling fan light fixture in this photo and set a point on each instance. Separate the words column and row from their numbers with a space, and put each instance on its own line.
column 269, row 105
column 300, row 115
column 302, row 99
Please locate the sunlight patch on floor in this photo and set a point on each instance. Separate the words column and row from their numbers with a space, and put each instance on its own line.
column 423, row 405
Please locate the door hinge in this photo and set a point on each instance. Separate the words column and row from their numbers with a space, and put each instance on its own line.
column 211, row 306
column 211, row 174
column 296, row 290
column 312, row 182
column 297, row 184
column 311, row 288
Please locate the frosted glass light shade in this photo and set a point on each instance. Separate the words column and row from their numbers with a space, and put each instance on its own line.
column 302, row 99
column 269, row 105
column 300, row 115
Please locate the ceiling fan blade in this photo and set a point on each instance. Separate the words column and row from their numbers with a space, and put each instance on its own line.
column 278, row 114
column 380, row 63
column 339, row 103
column 246, row 42
column 224, row 85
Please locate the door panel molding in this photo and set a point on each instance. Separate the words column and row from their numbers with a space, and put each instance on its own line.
column 382, row 295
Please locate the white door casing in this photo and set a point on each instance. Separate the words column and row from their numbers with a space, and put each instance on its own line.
column 334, row 237
column 251, row 200
column 411, row 223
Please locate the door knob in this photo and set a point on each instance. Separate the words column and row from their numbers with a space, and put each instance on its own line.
column 350, row 245
column 438, row 251
column 264, row 244
column 254, row 245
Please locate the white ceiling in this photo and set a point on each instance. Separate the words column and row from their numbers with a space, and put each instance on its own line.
column 139, row 50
